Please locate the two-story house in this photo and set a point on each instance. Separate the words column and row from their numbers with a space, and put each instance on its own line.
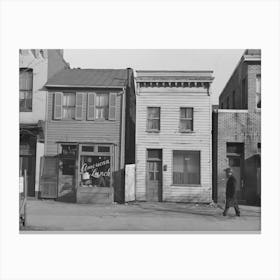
column 237, row 131
column 90, row 135
column 173, row 136
column 35, row 67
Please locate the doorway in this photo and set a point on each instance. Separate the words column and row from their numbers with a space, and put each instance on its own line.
column 154, row 175
column 235, row 156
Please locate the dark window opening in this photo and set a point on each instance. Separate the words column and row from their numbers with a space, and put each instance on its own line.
column 25, row 89
column 87, row 148
column 103, row 149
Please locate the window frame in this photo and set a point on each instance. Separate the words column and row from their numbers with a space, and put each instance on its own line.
column 97, row 95
column 172, row 169
column 258, row 94
column 186, row 119
column 153, row 119
column 73, row 107
column 26, row 92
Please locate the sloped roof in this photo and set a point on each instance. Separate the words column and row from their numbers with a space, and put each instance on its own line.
column 89, row 78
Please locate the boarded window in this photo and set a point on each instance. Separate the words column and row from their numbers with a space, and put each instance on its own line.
column 258, row 91
column 186, row 119
column 25, row 89
column 112, row 106
column 102, row 106
column 153, row 118
column 186, row 167
column 79, row 105
column 91, row 106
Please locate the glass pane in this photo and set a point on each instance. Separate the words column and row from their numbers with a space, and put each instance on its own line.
column 189, row 113
column 151, row 176
column 69, row 99
column 87, row 148
column 154, row 154
column 150, row 166
column 183, row 112
column 153, row 112
column 156, row 176
column 156, row 166
column 236, row 148
column 153, row 124
column 258, row 84
column 186, row 167
column 103, row 149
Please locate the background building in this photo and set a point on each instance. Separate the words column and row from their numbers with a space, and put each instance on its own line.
column 35, row 67
column 173, row 136
column 237, row 131
column 90, row 135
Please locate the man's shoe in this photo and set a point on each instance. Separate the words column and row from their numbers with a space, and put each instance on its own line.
column 224, row 214
column 238, row 214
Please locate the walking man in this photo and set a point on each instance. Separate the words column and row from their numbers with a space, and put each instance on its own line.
column 231, row 199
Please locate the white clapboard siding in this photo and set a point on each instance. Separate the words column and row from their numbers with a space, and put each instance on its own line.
column 170, row 138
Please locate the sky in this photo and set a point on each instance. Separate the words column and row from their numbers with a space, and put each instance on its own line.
column 221, row 61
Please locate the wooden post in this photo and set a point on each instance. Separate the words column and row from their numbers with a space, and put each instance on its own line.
column 25, row 196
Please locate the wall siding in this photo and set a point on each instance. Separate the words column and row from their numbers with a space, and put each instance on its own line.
column 169, row 138
column 80, row 131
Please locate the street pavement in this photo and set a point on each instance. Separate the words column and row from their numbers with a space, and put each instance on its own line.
column 49, row 215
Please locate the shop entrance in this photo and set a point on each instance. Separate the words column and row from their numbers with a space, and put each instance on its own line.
column 95, row 173
column 154, row 175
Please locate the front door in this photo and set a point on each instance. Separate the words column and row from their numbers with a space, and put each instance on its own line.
column 154, row 175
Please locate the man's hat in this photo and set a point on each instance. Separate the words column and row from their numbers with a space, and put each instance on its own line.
column 227, row 170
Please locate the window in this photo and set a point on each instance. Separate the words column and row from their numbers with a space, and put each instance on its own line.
column 102, row 106
column 68, row 106
column 87, row 148
column 25, row 89
column 258, row 90
column 233, row 99
column 222, row 105
column 186, row 119
column 153, row 123
column 103, row 149
column 186, row 167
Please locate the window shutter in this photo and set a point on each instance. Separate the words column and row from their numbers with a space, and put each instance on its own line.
column 112, row 106
column 79, row 105
column 58, row 105
column 91, row 106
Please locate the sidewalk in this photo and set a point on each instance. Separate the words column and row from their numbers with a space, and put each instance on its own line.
column 48, row 215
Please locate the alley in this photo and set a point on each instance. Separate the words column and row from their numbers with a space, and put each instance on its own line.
column 49, row 215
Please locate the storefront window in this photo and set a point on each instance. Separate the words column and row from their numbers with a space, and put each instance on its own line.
column 186, row 167
column 95, row 171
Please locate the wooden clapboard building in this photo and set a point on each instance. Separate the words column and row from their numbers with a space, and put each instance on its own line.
column 173, row 136
column 90, row 128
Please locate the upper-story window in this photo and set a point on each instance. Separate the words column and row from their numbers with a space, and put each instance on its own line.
column 153, row 118
column 102, row 106
column 258, row 90
column 25, row 89
column 72, row 106
column 68, row 106
column 186, row 119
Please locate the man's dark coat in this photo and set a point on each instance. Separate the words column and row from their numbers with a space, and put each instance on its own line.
column 231, row 188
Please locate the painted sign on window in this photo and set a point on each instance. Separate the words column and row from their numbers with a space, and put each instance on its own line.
column 95, row 171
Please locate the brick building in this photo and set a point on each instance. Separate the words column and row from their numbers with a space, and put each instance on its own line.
column 237, row 131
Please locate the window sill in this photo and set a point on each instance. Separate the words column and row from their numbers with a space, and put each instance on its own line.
column 153, row 131
column 187, row 131
column 187, row 185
